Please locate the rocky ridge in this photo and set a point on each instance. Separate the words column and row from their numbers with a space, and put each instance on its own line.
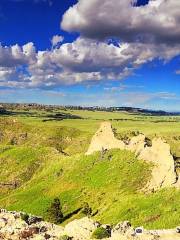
column 163, row 172
column 19, row 226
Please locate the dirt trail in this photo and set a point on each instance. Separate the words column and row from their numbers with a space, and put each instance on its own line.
column 163, row 173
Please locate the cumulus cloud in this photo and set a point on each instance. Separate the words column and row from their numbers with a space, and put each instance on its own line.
column 143, row 33
column 81, row 60
column 16, row 55
column 13, row 61
column 87, row 60
column 158, row 21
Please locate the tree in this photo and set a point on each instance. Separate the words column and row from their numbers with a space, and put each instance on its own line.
column 55, row 212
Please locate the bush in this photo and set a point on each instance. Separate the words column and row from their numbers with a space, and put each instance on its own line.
column 86, row 209
column 100, row 233
column 25, row 217
column 55, row 212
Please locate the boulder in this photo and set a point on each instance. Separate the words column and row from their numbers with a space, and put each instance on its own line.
column 13, row 226
column 122, row 229
column 17, row 229
column 34, row 219
column 81, row 229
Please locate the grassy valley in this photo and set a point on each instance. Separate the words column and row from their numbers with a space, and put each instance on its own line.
column 42, row 157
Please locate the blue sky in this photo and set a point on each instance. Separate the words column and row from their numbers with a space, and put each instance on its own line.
column 86, row 53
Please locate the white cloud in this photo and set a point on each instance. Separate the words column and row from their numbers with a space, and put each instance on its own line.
column 13, row 61
column 145, row 33
column 16, row 55
column 82, row 60
column 85, row 60
column 56, row 39
column 158, row 21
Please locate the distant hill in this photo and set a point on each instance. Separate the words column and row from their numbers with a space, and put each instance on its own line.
column 132, row 110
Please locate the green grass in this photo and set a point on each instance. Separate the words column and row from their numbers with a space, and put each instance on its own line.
column 47, row 160
column 100, row 233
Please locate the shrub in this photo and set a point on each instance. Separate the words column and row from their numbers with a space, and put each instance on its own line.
column 86, row 209
column 25, row 217
column 55, row 212
column 100, row 233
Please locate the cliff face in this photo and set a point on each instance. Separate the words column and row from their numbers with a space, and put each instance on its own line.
column 163, row 173
column 18, row 225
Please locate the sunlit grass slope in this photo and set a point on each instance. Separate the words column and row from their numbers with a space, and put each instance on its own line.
column 47, row 160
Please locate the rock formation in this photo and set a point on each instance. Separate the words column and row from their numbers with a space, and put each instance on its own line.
column 104, row 139
column 81, row 229
column 136, row 144
column 18, row 225
column 163, row 172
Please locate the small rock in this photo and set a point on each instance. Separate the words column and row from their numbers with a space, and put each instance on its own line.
column 47, row 236
column 3, row 222
column 178, row 229
column 139, row 230
column 34, row 219
column 122, row 227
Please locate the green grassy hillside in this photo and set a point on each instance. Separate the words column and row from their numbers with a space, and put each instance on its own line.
column 42, row 160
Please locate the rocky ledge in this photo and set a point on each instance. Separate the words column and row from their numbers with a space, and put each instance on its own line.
column 19, row 225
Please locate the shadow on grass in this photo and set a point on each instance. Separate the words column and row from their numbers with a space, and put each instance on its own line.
column 60, row 117
column 17, row 113
column 45, row 117
column 71, row 214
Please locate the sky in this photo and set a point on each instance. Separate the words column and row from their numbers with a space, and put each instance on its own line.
column 91, row 53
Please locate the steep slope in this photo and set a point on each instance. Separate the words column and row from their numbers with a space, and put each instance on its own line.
column 50, row 162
